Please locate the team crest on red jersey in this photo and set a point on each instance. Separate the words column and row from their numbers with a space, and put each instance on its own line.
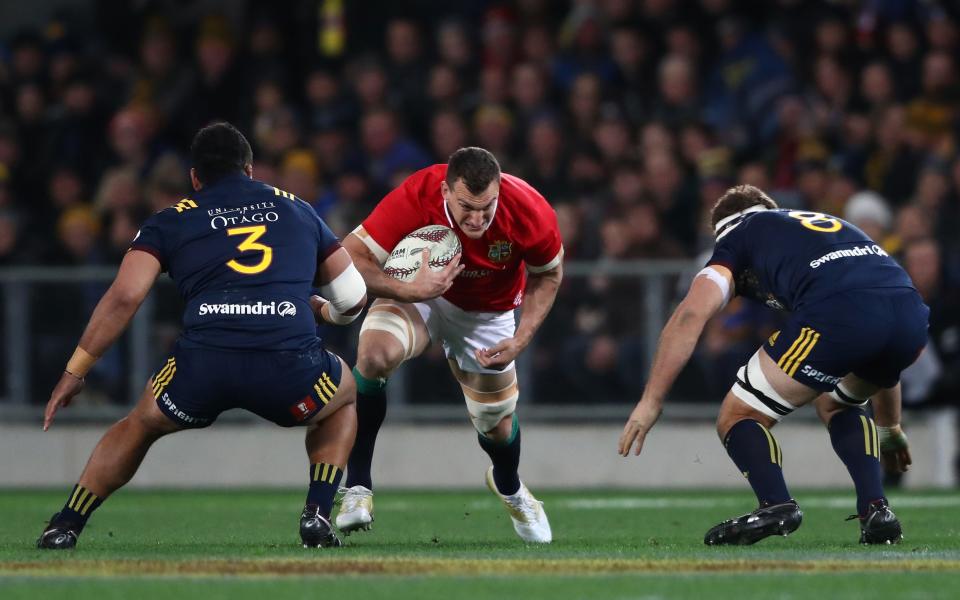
column 500, row 251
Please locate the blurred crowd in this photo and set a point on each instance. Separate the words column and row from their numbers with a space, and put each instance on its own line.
column 630, row 116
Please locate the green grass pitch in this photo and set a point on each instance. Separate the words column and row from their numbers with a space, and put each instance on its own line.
column 609, row 545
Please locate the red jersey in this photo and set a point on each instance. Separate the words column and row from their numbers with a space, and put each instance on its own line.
column 523, row 233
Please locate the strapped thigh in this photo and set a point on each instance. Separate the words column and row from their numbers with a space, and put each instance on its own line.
column 753, row 388
column 397, row 322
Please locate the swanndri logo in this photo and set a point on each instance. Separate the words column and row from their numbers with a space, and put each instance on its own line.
column 873, row 250
column 284, row 309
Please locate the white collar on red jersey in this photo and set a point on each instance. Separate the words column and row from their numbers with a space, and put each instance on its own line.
column 446, row 211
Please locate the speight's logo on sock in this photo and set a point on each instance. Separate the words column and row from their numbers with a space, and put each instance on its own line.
column 284, row 309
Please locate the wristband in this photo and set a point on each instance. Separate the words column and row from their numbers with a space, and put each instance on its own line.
column 80, row 363
column 891, row 438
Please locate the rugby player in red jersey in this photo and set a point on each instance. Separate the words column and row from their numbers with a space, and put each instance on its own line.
column 512, row 254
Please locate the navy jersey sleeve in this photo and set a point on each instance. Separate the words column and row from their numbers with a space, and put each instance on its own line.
column 152, row 239
column 327, row 242
column 729, row 251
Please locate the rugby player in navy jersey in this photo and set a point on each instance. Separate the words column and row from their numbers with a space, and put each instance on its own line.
column 244, row 256
column 855, row 322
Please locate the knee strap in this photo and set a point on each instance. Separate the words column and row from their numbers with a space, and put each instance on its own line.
column 396, row 322
column 487, row 415
column 843, row 396
column 755, row 390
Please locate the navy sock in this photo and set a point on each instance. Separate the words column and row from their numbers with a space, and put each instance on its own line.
column 371, row 409
column 854, row 438
column 324, row 481
column 758, row 456
column 505, row 457
column 80, row 505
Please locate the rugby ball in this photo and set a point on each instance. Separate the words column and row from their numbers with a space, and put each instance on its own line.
column 404, row 261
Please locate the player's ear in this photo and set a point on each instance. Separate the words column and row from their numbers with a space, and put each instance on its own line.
column 196, row 183
column 444, row 188
column 248, row 169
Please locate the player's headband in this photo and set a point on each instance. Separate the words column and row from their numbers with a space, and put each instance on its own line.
column 726, row 224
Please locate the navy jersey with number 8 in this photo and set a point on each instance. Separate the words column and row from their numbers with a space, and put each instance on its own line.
column 789, row 258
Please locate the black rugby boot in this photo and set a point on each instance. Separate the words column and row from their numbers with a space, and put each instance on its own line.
column 777, row 519
column 59, row 534
column 879, row 525
column 315, row 530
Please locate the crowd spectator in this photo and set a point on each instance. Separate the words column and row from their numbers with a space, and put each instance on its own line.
column 630, row 116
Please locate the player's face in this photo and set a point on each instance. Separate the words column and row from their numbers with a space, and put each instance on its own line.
column 472, row 213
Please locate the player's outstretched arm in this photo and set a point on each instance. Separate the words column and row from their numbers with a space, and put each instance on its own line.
column 426, row 285
column 538, row 298
column 677, row 342
column 343, row 289
column 110, row 318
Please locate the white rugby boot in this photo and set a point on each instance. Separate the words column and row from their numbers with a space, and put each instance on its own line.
column 356, row 509
column 529, row 519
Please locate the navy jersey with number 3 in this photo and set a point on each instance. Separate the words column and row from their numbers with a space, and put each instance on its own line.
column 243, row 255
column 790, row 258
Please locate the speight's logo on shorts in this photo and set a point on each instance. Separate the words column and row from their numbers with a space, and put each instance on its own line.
column 284, row 309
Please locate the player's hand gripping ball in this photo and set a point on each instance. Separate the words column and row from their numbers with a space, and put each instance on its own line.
column 406, row 258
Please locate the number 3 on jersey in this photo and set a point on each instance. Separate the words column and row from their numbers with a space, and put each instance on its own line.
column 250, row 244
column 816, row 221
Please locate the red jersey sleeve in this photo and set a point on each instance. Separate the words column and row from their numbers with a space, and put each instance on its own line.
column 399, row 213
column 546, row 249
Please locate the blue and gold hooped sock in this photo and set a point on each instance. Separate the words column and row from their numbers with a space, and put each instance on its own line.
column 854, row 438
column 324, row 482
column 80, row 505
column 758, row 456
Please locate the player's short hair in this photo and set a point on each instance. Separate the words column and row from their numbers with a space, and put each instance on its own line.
column 476, row 167
column 219, row 149
column 737, row 198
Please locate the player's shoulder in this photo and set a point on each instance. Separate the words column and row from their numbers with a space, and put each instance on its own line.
column 427, row 176
column 515, row 190
column 171, row 214
column 773, row 215
column 764, row 220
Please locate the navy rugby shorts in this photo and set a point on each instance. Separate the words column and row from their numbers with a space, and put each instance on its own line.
column 874, row 334
column 195, row 385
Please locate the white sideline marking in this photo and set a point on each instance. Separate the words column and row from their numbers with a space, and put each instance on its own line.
column 896, row 501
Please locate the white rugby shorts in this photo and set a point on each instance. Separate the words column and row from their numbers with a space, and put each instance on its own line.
column 463, row 332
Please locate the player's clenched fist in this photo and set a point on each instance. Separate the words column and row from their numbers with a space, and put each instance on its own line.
column 428, row 284
column 500, row 355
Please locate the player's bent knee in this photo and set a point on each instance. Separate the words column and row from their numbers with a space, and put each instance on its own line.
column 151, row 420
column 387, row 338
column 753, row 389
column 488, row 409
column 827, row 407
column 378, row 355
